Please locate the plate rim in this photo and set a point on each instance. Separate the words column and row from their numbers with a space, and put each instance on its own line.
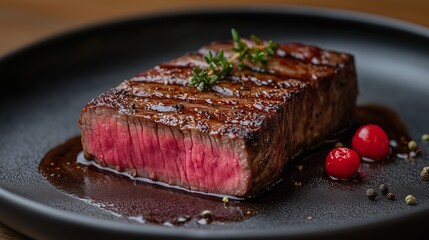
column 14, row 201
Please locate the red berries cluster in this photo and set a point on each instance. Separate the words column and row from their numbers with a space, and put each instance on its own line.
column 370, row 141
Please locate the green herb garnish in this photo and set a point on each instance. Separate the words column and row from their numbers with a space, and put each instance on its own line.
column 257, row 54
column 219, row 67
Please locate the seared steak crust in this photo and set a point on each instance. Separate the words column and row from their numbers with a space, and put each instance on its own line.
column 233, row 139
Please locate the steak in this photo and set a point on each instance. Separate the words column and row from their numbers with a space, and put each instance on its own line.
column 233, row 139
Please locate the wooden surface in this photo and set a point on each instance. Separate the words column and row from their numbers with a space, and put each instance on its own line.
column 25, row 21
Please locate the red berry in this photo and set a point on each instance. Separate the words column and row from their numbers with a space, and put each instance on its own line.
column 342, row 163
column 371, row 141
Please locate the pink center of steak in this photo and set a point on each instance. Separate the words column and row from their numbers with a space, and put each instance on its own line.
column 158, row 153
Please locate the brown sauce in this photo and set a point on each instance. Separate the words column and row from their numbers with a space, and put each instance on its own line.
column 148, row 203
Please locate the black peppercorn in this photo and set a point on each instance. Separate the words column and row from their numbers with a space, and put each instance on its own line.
column 384, row 189
column 371, row 193
column 391, row 196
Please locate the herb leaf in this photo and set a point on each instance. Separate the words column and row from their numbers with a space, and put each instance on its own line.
column 257, row 54
column 219, row 67
column 235, row 35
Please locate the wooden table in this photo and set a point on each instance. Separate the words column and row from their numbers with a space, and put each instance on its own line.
column 25, row 21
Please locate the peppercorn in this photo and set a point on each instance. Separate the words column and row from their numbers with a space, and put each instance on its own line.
column 412, row 145
column 424, row 174
column 371, row 193
column 425, row 137
column 391, row 196
column 206, row 214
column 384, row 189
column 410, row 200
column 339, row 144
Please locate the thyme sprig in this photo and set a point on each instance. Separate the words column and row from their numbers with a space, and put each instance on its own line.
column 257, row 54
column 219, row 66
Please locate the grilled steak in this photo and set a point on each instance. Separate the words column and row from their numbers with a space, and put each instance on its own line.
column 233, row 139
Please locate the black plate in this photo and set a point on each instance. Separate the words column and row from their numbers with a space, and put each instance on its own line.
column 45, row 86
